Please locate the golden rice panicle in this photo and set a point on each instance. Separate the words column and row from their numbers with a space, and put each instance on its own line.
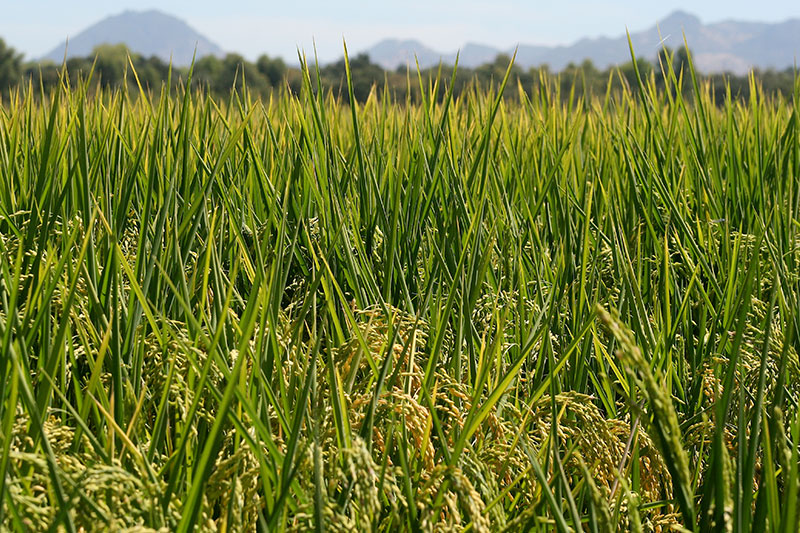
column 668, row 435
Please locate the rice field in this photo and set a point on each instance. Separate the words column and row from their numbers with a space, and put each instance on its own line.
column 546, row 313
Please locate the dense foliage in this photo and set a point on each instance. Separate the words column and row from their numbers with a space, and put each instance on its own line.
column 471, row 312
column 113, row 66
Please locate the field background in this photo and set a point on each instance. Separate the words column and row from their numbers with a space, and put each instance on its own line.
column 544, row 313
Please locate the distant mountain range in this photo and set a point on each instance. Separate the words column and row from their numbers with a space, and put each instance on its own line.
column 149, row 33
column 732, row 46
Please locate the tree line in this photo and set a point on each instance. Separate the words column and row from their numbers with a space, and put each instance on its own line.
column 110, row 67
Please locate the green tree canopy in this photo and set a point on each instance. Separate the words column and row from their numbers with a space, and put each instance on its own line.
column 274, row 69
column 112, row 62
column 10, row 66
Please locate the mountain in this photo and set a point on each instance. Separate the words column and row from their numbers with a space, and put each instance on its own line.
column 730, row 45
column 394, row 53
column 398, row 53
column 477, row 54
column 149, row 33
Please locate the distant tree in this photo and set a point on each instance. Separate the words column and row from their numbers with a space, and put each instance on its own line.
column 79, row 66
column 365, row 76
column 681, row 61
column 238, row 72
column 294, row 80
column 273, row 69
column 628, row 71
column 207, row 72
column 582, row 80
column 44, row 75
column 588, row 68
column 574, row 83
column 112, row 63
column 675, row 63
column 231, row 74
column 221, row 75
column 152, row 71
column 10, row 66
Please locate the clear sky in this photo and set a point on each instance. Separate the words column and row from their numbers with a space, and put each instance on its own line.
column 278, row 28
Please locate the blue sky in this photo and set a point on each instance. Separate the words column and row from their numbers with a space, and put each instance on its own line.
column 278, row 28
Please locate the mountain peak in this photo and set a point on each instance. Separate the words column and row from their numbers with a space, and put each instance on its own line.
column 680, row 18
column 728, row 46
column 129, row 12
column 393, row 53
column 149, row 33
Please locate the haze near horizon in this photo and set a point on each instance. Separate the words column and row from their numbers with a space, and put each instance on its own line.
column 252, row 28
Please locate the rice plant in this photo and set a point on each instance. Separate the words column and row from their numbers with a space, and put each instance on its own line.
column 471, row 313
